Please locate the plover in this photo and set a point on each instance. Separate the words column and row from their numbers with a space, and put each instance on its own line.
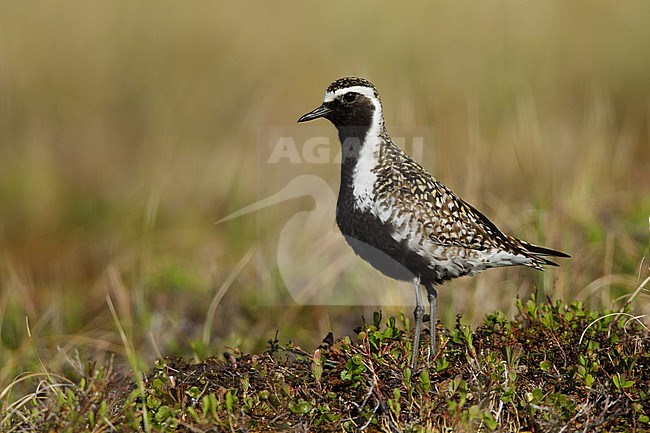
column 402, row 220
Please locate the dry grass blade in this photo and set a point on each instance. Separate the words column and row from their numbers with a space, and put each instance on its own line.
column 214, row 304
column 133, row 362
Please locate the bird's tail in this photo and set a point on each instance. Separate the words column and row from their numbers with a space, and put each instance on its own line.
column 541, row 253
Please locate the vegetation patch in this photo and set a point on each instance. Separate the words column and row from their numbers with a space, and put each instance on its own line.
column 555, row 367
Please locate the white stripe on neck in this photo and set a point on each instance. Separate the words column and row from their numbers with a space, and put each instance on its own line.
column 363, row 177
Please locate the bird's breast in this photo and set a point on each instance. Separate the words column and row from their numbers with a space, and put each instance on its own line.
column 373, row 239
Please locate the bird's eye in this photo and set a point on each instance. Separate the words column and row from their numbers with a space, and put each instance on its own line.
column 350, row 97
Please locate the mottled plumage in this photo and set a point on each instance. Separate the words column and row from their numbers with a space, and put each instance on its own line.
column 398, row 217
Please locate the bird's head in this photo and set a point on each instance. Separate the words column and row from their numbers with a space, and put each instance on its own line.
column 351, row 104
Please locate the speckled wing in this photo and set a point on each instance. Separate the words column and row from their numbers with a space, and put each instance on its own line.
column 427, row 213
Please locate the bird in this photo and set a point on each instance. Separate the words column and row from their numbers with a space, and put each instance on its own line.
column 403, row 221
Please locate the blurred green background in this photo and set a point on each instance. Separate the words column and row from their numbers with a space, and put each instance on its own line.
column 127, row 129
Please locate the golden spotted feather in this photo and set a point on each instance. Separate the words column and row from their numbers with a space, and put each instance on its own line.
column 408, row 195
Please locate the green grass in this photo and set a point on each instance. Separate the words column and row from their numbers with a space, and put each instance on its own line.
column 127, row 130
column 555, row 367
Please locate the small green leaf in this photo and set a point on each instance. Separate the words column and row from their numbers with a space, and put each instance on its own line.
column 489, row 421
column 158, row 385
column 194, row 392
column 425, row 381
column 408, row 373
column 163, row 413
column 317, row 365
column 153, row 402
column 376, row 319
column 442, row 363
column 621, row 382
column 231, row 400
column 193, row 414
column 301, row 407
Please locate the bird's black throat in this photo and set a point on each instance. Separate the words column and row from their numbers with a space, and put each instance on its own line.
column 352, row 122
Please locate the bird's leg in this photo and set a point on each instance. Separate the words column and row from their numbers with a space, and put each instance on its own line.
column 418, row 313
column 433, row 307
